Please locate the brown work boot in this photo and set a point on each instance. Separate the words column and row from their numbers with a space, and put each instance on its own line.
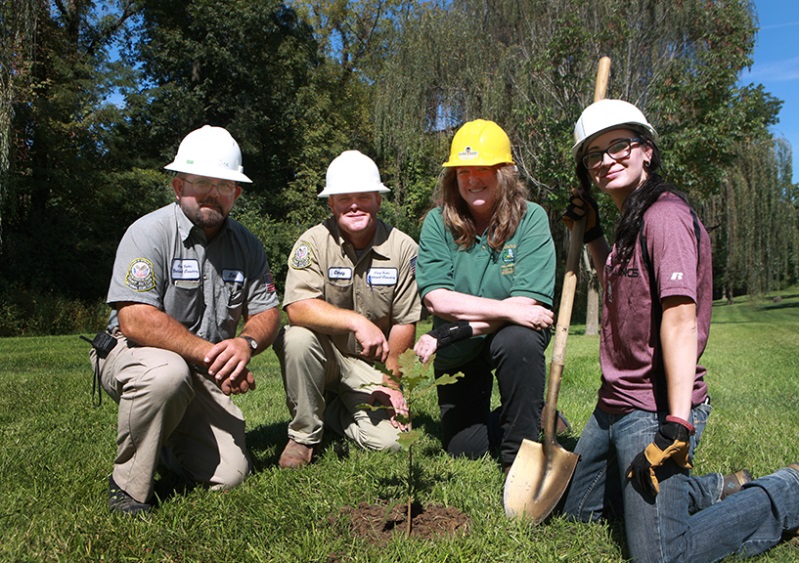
column 734, row 482
column 295, row 455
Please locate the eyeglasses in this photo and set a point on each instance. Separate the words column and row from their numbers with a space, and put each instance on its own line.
column 618, row 150
column 224, row 187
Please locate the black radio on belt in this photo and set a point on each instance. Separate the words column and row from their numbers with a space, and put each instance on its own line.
column 102, row 343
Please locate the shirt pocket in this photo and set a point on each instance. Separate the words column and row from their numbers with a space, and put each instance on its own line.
column 340, row 294
column 183, row 301
column 381, row 301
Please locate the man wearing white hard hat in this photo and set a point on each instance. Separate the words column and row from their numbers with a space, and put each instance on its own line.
column 183, row 277
column 351, row 300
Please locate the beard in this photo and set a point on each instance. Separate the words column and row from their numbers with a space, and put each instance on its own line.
column 209, row 215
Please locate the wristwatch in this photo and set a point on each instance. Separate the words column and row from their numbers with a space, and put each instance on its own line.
column 252, row 342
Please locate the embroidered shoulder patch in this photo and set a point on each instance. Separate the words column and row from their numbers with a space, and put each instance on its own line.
column 140, row 276
column 302, row 256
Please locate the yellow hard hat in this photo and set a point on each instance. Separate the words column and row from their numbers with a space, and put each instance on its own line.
column 479, row 143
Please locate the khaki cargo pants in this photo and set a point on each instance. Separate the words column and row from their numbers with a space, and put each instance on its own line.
column 315, row 370
column 170, row 413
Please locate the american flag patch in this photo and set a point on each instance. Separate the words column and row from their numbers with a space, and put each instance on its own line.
column 270, row 285
column 413, row 266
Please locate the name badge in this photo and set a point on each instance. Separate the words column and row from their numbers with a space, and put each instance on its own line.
column 339, row 273
column 232, row 276
column 186, row 269
column 382, row 276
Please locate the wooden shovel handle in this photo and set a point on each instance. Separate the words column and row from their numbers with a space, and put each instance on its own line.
column 602, row 75
column 569, row 289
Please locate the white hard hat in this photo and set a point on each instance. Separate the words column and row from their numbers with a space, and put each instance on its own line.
column 212, row 152
column 608, row 114
column 352, row 172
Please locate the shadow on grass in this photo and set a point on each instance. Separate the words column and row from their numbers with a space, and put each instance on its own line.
column 776, row 306
column 274, row 437
column 424, row 479
column 267, row 437
column 428, row 425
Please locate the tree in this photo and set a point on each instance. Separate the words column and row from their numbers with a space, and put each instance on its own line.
column 756, row 218
column 530, row 66
column 256, row 68
column 54, row 80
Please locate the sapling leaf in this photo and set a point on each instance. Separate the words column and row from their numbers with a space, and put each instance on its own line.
column 407, row 361
column 409, row 438
column 448, row 378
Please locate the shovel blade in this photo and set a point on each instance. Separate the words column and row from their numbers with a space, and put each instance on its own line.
column 537, row 479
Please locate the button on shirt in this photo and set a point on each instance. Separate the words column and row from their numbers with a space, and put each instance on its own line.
column 165, row 261
column 378, row 282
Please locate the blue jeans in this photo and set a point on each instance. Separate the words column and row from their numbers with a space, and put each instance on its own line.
column 686, row 521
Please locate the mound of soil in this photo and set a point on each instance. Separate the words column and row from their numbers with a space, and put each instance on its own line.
column 378, row 523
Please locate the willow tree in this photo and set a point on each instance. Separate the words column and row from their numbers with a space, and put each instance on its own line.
column 757, row 220
column 531, row 65
column 355, row 40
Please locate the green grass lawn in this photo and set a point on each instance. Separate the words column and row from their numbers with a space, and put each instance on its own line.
column 56, row 452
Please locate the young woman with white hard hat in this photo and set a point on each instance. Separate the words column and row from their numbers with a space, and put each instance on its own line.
column 635, row 451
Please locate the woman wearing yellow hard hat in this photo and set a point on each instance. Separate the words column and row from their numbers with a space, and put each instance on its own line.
column 486, row 271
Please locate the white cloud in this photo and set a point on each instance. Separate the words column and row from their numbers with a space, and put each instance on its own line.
column 779, row 25
column 776, row 71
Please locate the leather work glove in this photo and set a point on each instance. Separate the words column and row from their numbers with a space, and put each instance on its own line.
column 671, row 443
column 577, row 209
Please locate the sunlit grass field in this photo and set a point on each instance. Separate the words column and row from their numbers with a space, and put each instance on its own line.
column 56, row 452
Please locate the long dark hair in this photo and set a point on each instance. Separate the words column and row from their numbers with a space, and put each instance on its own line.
column 636, row 204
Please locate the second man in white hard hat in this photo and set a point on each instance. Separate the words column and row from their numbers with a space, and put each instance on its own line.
column 351, row 300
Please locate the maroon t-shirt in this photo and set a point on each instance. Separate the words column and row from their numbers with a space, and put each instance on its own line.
column 632, row 372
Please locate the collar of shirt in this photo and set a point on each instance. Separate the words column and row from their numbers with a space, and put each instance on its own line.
column 379, row 245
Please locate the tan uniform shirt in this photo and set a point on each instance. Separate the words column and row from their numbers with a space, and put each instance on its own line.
column 380, row 284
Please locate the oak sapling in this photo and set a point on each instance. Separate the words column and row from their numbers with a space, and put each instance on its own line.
column 415, row 380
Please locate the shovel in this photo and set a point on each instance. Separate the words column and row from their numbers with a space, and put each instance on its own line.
column 541, row 472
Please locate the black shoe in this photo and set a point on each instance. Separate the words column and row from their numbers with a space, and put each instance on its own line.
column 121, row 502
column 562, row 424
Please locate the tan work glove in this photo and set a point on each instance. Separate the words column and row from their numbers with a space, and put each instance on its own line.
column 671, row 443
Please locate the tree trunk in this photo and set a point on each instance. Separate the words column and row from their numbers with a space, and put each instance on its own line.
column 592, row 307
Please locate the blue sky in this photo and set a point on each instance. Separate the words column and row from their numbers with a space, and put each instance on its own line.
column 776, row 66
